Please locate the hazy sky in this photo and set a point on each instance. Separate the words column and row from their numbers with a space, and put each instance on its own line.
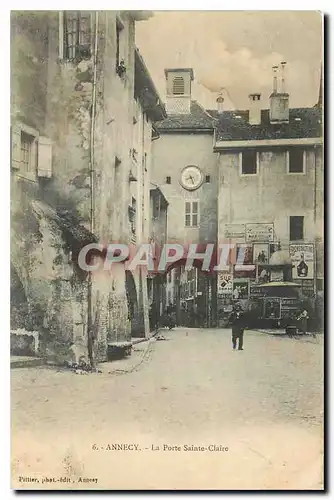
column 235, row 50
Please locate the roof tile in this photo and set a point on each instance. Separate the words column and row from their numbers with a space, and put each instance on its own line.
column 303, row 123
column 197, row 119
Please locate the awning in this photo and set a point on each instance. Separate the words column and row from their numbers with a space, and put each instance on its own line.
column 276, row 284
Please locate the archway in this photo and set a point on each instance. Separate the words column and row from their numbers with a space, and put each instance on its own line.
column 194, row 293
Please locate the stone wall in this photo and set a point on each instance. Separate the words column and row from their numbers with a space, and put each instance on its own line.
column 54, row 96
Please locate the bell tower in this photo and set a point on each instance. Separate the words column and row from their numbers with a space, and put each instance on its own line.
column 178, row 90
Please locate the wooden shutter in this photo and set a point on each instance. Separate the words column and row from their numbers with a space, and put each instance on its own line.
column 16, row 147
column 44, row 157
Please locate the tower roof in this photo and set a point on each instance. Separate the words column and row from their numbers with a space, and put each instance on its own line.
column 180, row 70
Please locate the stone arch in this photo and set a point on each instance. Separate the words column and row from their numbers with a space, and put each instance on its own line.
column 202, row 312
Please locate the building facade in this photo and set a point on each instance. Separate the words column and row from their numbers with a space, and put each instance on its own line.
column 185, row 167
column 270, row 164
column 81, row 121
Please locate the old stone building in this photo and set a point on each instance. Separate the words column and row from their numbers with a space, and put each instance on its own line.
column 185, row 167
column 270, row 164
column 252, row 179
column 82, row 107
column 157, row 283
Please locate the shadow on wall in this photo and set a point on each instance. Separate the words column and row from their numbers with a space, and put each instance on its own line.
column 133, row 308
column 18, row 302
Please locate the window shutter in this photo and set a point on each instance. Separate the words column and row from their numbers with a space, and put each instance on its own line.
column 44, row 157
column 16, row 147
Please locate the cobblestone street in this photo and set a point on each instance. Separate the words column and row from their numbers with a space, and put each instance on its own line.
column 265, row 404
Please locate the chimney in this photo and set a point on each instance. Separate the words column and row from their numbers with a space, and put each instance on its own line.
column 279, row 101
column 255, row 109
column 178, row 90
column 275, row 68
column 220, row 103
column 283, row 63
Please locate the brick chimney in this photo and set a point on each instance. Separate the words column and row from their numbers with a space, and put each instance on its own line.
column 279, row 100
column 178, row 90
column 255, row 109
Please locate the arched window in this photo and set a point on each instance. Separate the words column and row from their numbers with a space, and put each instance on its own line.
column 178, row 85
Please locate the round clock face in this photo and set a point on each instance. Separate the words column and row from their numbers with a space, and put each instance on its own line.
column 191, row 178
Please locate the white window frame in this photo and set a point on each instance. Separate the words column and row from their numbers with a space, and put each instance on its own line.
column 40, row 161
column 257, row 165
column 191, row 213
column 287, row 162
column 16, row 161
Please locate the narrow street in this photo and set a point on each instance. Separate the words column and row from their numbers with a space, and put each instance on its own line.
column 265, row 404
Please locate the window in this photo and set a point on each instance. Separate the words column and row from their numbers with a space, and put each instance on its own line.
column 168, row 179
column 191, row 214
column 296, row 228
column 249, row 162
column 207, row 179
column 296, row 161
column 31, row 154
column 77, row 35
column 178, row 85
column 26, row 146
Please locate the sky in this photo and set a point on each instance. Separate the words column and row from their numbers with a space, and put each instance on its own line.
column 235, row 50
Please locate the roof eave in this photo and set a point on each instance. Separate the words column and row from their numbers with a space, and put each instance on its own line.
column 140, row 15
column 251, row 143
column 186, row 130
column 155, row 110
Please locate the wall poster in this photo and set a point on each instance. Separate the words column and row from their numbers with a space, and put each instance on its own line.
column 302, row 256
column 240, row 289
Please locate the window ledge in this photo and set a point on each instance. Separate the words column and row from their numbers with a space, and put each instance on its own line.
column 24, row 175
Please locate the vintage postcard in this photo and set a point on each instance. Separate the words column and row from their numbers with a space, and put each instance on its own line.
column 167, row 250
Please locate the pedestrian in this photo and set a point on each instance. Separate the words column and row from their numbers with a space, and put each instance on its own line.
column 237, row 319
column 302, row 319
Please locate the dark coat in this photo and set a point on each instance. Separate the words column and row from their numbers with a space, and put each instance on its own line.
column 237, row 319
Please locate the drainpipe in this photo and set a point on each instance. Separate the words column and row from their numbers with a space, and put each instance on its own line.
column 90, row 332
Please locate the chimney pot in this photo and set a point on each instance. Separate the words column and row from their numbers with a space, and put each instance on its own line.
column 279, row 101
column 220, row 103
column 255, row 109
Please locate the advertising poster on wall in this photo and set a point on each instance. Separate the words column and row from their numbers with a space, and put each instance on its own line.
column 240, row 289
column 244, row 267
column 224, row 283
column 259, row 232
column 244, row 255
column 234, row 231
column 302, row 256
column 261, row 253
column 276, row 275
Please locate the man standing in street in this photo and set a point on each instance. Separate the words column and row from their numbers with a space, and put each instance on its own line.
column 237, row 319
